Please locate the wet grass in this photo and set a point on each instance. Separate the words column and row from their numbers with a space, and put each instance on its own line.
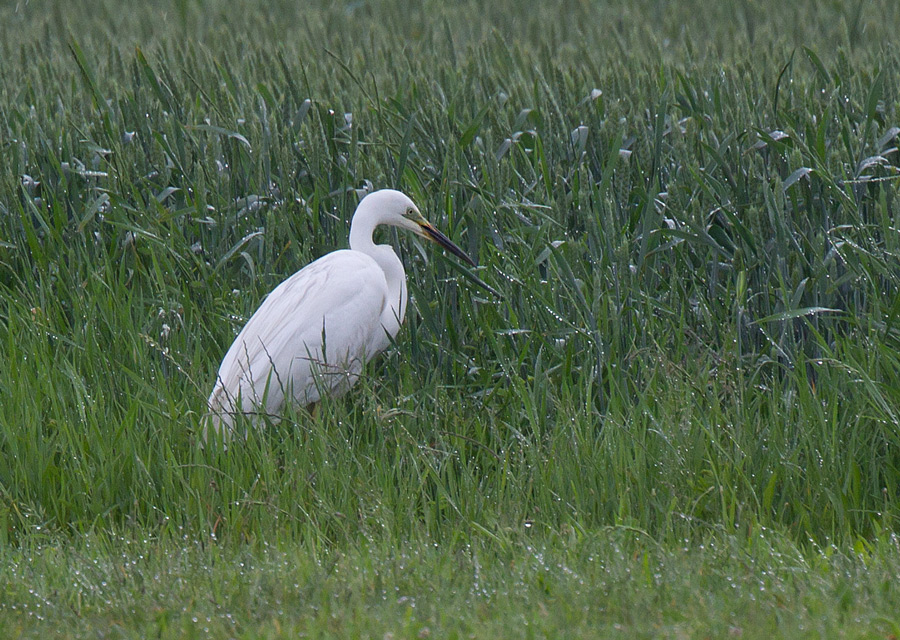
column 607, row 584
column 686, row 401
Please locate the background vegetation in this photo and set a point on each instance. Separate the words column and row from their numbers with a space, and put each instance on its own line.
column 685, row 403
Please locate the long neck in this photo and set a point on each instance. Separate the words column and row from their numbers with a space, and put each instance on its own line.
column 361, row 229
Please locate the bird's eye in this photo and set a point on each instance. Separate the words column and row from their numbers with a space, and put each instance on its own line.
column 410, row 212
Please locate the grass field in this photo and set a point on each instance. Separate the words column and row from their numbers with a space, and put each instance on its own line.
column 680, row 420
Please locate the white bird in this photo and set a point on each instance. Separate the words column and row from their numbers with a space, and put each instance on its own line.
column 312, row 335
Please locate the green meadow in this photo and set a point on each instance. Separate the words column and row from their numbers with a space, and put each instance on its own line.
column 680, row 418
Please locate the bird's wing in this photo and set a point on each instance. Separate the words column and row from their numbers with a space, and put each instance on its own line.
column 312, row 334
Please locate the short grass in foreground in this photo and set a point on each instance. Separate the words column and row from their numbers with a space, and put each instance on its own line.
column 613, row 583
column 693, row 373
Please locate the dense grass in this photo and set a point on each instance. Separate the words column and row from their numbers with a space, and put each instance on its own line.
column 692, row 217
column 608, row 584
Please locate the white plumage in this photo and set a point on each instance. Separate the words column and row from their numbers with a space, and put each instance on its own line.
column 314, row 333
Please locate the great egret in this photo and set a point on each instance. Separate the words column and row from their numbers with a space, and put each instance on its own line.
column 312, row 335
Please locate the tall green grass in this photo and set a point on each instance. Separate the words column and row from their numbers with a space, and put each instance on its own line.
column 698, row 263
column 692, row 217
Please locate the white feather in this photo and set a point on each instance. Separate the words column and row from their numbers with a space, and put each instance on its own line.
column 314, row 333
column 298, row 344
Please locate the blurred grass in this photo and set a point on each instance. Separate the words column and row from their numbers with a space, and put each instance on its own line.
column 691, row 212
column 597, row 586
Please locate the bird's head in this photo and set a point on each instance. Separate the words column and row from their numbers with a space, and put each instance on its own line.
column 398, row 210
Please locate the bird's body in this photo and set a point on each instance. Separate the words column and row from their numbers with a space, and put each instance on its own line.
column 315, row 331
